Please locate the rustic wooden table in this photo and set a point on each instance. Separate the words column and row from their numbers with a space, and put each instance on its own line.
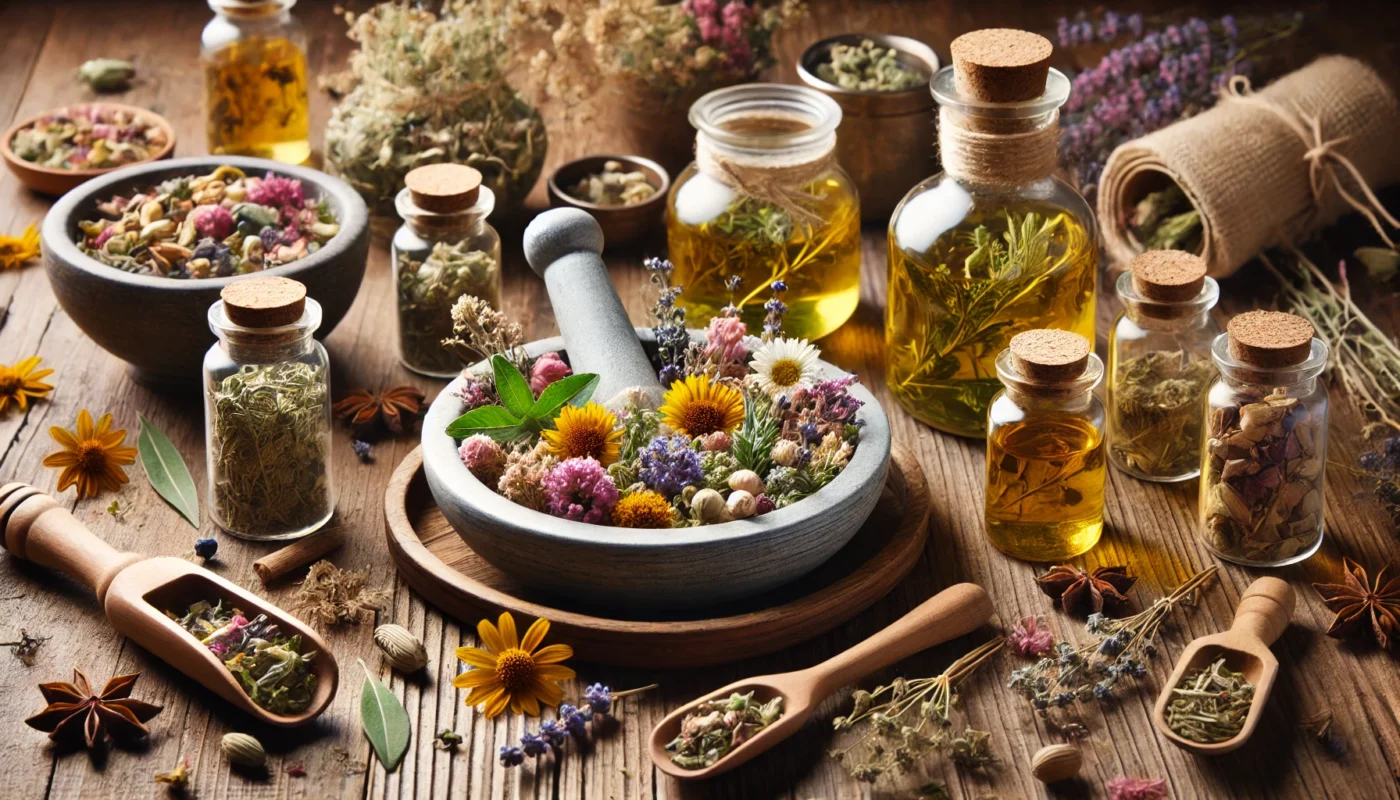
column 1150, row 528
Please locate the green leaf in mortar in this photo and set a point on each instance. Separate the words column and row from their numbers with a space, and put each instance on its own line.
column 494, row 421
column 575, row 389
column 512, row 387
column 384, row 720
column 166, row 471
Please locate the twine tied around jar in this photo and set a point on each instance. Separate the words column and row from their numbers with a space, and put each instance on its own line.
column 779, row 178
column 1322, row 156
column 998, row 151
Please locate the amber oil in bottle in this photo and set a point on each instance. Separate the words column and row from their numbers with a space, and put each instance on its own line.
column 255, row 91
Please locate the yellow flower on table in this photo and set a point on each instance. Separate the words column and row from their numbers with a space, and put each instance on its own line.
column 587, row 432
column 696, row 407
column 508, row 672
column 16, row 250
column 92, row 456
column 21, row 382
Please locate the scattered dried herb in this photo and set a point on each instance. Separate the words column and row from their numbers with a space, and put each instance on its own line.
column 448, row 739
column 1321, row 727
column 178, row 779
column 1156, row 426
column 867, row 67
column 1380, row 464
column 1358, row 601
column 429, row 288
column 1166, row 220
column 89, row 137
column 296, row 770
column 364, row 411
column 1121, row 788
column 1084, row 593
column 107, row 74
column 332, row 596
column 167, row 472
column 76, row 714
column 1210, row 704
column 117, row 510
column 384, row 720
column 270, row 666
column 715, row 727
column 26, row 649
column 613, row 186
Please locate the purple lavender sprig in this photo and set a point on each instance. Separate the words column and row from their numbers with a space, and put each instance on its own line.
column 672, row 339
column 777, row 309
column 669, row 464
column 574, row 722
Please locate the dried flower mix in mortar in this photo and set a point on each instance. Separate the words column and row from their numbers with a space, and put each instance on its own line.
column 1210, row 704
column 209, row 226
column 867, row 67
column 270, row 666
column 614, row 186
column 715, row 727
column 89, row 137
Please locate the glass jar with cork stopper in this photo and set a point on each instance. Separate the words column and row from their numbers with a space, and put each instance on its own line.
column 1159, row 366
column 255, row 94
column 992, row 246
column 766, row 203
column 1265, row 449
column 444, row 250
column 1045, row 454
column 267, row 412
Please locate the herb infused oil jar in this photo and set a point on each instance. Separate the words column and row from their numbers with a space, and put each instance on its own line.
column 1159, row 366
column 765, row 201
column 992, row 246
column 255, row 92
column 267, row 412
column 1045, row 448
column 1265, row 451
column 445, row 249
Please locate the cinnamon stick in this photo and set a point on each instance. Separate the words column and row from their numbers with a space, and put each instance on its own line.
column 278, row 563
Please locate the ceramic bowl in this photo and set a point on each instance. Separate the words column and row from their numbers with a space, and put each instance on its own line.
column 679, row 568
column 620, row 224
column 50, row 180
column 159, row 326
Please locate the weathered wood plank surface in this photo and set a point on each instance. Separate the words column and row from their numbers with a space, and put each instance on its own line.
column 1150, row 527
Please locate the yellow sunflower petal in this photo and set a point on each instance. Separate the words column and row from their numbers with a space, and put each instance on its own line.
column 64, row 437
column 477, row 657
column 529, row 704
column 535, row 635
column 68, row 477
column 489, row 636
column 473, row 678
column 506, row 624
column 27, row 364
column 62, row 458
column 553, row 654
column 122, row 455
column 497, row 704
column 85, row 426
column 484, row 695
column 104, row 424
column 548, row 692
column 554, row 672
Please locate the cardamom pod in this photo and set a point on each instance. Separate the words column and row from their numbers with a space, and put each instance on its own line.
column 1056, row 762
column 107, row 74
column 244, row 750
column 404, row 651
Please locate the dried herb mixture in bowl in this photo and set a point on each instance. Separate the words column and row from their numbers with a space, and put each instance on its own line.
column 89, row 137
column 216, row 225
column 270, row 666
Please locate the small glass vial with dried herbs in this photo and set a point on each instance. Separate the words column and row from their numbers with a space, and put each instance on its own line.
column 765, row 201
column 255, row 93
column 1159, row 366
column 267, row 412
column 1045, row 448
column 992, row 246
column 1265, row 451
column 444, row 250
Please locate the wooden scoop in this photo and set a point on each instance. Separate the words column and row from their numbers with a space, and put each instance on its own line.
column 1263, row 614
column 953, row 612
column 136, row 591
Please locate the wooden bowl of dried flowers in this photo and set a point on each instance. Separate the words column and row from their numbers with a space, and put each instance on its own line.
column 625, row 194
column 57, row 150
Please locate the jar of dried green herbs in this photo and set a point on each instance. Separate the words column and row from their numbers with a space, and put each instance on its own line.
column 992, row 246
column 444, row 250
column 1159, row 366
column 1265, row 450
column 267, row 412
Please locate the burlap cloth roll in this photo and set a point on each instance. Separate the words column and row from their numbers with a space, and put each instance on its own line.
column 1265, row 168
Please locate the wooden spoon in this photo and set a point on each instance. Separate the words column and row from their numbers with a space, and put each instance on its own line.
column 1264, row 612
column 953, row 612
column 135, row 591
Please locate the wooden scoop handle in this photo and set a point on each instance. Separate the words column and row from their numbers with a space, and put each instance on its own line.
column 960, row 609
column 1265, row 610
column 565, row 246
column 36, row 528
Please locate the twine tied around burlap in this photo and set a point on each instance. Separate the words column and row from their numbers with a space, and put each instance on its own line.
column 998, row 151
column 779, row 177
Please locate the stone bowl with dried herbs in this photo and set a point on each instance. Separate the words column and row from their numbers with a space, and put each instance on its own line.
column 138, row 256
column 55, row 151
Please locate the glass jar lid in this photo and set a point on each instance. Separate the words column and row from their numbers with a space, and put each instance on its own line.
column 249, row 8
column 811, row 117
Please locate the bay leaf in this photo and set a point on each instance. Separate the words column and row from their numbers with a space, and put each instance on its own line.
column 167, row 472
column 384, row 720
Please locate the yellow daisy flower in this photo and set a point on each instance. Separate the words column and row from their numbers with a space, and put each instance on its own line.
column 91, row 457
column 21, row 382
column 587, row 432
column 645, row 509
column 15, row 250
column 696, row 407
column 511, row 673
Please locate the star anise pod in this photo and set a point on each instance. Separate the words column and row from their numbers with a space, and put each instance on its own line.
column 1358, row 600
column 75, row 714
column 363, row 410
column 1083, row 593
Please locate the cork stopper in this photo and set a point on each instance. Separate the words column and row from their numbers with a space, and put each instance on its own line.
column 1270, row 339
column 1168, row 276
column 443, row 188
column 1001, row 65
column 1049, row 356
column 268, row 302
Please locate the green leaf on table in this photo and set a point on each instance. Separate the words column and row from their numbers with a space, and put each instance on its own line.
column 166, row 471
column 384, row 720
column 494, row 421
column 512, row 387
column 575, row 389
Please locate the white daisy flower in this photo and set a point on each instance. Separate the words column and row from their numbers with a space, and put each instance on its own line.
column 784, row 364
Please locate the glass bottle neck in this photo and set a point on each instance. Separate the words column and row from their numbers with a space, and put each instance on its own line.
column 265, row 345
column 762, row 120
column 1075, row 394
column 1187, row 315
column 452, row 226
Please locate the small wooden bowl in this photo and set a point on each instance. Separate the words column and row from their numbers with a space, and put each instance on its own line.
column 54, row 181
column 620, row 224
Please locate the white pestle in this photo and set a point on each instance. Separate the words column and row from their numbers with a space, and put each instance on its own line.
column 564, row 247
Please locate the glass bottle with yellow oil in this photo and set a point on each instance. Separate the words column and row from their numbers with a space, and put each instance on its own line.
column 1045, row 448
column 992, row 246
column 766, row 201
column 255, row 95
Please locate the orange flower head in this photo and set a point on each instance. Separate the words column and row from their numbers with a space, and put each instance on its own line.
column 92, row 456
column 587, row 432
column 696, row 407
column 21, row 382
column 510, row 672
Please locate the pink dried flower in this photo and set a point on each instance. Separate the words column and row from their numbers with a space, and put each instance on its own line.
column 212, row 222
column 548, row 368
column 275, row 191
column 484, row 458
column 522, row 481
column 719, row 440
column 724, row 336
column 763, row 504
column 1030, row 637
column 474, row 393
column 580, row 489
column 1137, row 789
column 102, row 237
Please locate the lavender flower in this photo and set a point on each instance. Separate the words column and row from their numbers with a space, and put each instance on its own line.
column 362, row 450
column 575, row 721
column 553, row 733
column 672, row 338
column 669, row 465
column 512, row 757
column 599, row 698
column 533, row 744
column 580, row 489
column 777, row 309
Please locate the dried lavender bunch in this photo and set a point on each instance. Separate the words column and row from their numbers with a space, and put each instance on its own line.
column 1120, row 649
column 672, row 338
column 909, row 719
